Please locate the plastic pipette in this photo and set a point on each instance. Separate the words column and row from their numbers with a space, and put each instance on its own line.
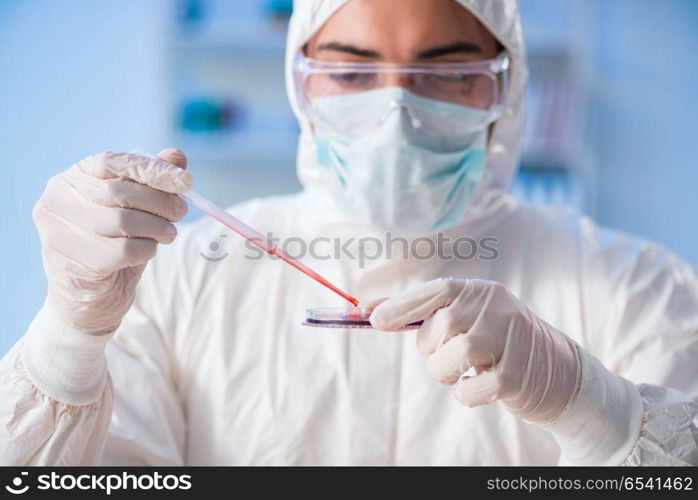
column 257, row 239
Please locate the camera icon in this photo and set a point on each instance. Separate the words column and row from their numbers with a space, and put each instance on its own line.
column 16, row 488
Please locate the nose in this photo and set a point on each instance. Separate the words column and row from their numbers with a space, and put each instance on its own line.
column 399, row 80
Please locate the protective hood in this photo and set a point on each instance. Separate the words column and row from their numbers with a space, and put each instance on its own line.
column 501, row 17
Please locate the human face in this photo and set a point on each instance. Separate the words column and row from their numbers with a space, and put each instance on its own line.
column 414, row 34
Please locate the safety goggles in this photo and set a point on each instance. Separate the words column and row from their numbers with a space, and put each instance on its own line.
column 481, row 86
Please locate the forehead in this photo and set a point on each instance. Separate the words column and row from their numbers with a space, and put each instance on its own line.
column 403, row 22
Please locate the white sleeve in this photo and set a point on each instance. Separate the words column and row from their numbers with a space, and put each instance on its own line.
column 658, row 353
column 55, row 397
column 669, row 432
column 613, row 422
column 60, row 406
column 642, row 317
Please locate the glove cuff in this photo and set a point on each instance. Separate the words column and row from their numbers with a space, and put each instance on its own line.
column 65, row 364
column 602, row 424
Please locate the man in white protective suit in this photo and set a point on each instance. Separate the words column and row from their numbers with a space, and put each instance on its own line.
column 573, row 344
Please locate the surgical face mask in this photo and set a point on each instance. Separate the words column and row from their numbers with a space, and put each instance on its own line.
column 403, row 176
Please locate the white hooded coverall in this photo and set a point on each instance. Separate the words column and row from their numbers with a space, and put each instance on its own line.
column 212, row 365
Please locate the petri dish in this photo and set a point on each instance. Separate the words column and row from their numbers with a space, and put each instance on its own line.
column 343, row 317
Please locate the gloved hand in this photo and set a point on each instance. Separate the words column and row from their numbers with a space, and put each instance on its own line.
column 520, row 360
column 537, row 372
column 100, row 222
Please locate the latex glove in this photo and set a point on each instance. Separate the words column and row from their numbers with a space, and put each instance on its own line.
column 100, row 222
column 520, row 360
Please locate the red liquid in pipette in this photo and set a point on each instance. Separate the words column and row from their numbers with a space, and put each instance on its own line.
column 252, row 235
column 257, row 239
column 304, row 269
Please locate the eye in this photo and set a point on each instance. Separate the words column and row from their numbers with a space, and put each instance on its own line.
column 450, row 78
column 352, row 79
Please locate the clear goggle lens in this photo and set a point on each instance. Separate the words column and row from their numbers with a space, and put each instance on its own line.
column 478, row 85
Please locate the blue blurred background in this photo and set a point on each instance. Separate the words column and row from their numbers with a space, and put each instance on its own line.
column 612, row 123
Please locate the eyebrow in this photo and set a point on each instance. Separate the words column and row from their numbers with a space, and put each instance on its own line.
column 349, row 49
column 453, row 48
column 431, row 53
